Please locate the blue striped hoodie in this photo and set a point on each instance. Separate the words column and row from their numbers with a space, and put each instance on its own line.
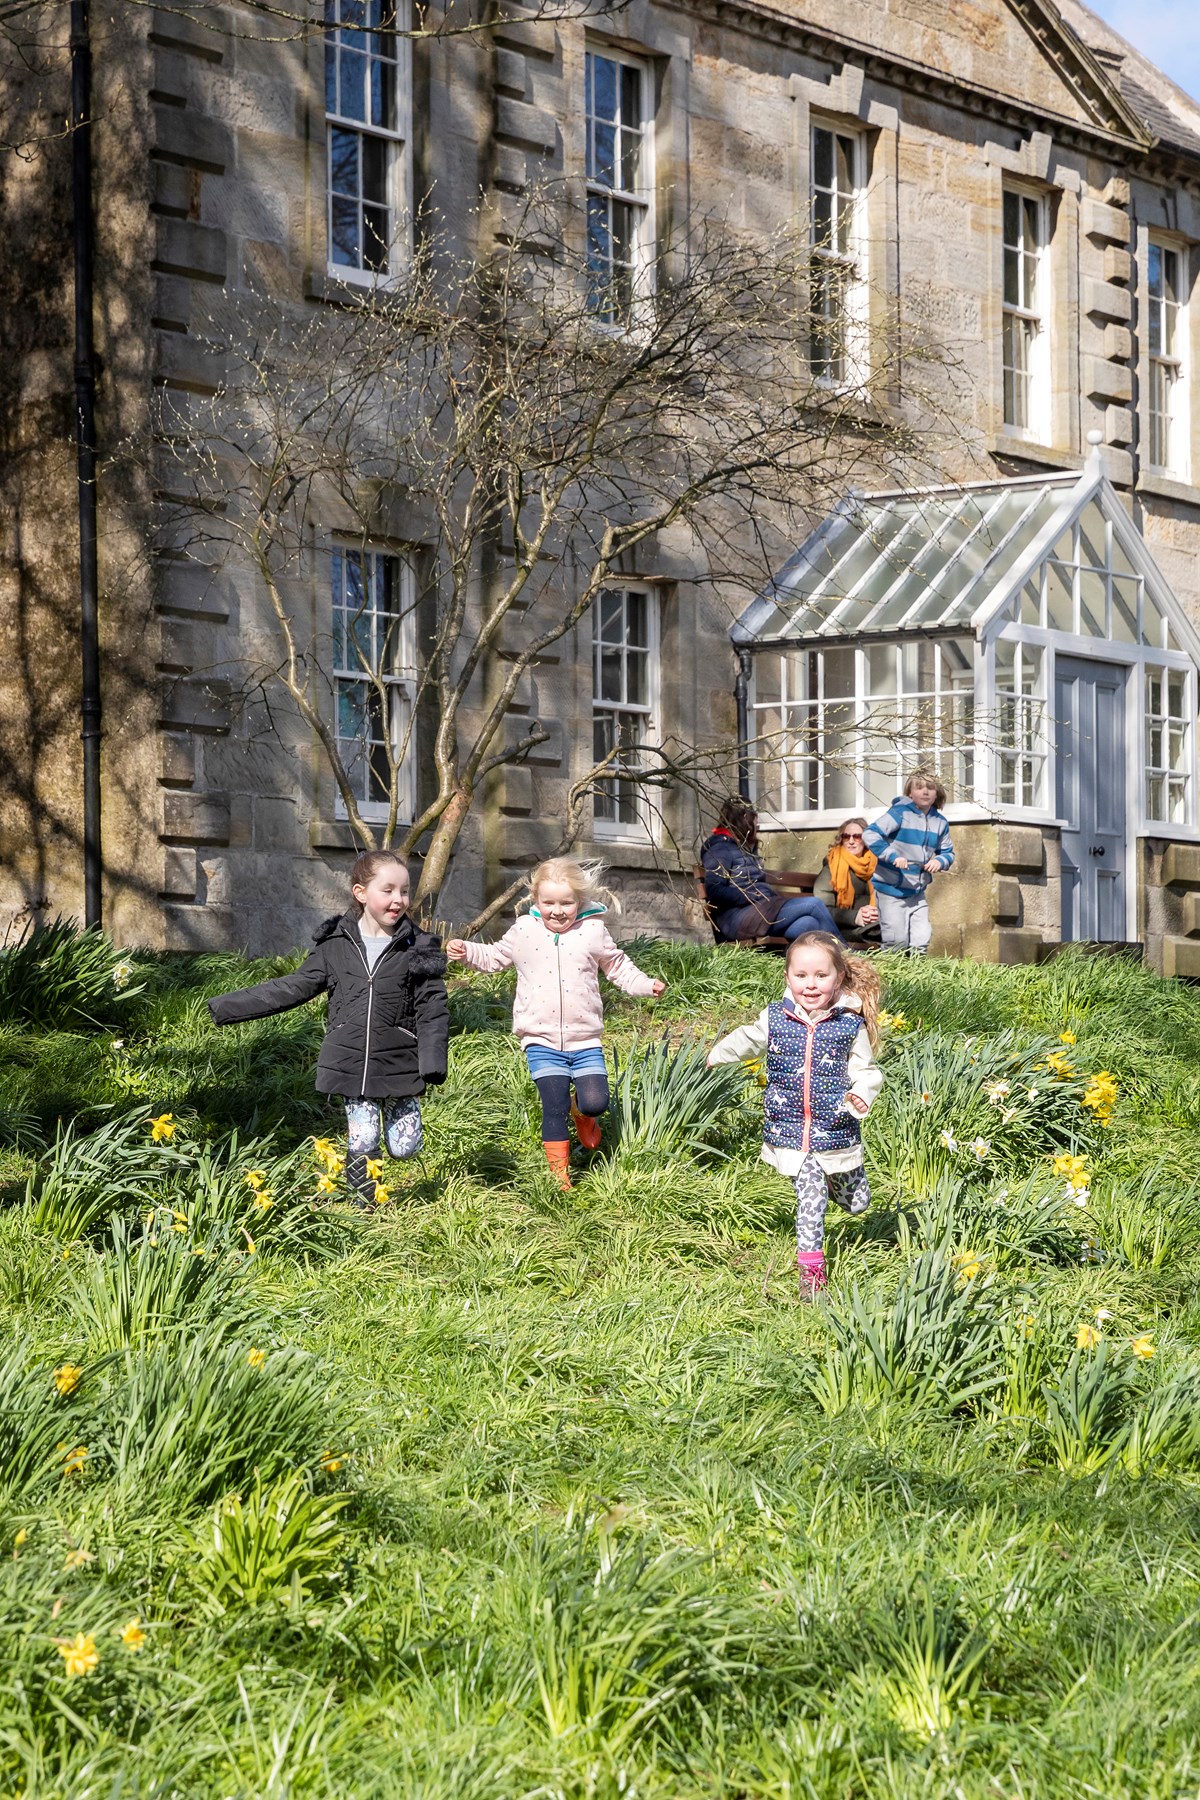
column 904, row 830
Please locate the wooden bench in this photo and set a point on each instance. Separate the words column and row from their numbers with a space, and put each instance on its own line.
column 788, row 882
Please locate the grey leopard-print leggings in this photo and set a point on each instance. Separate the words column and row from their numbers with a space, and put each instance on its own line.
column 400, row 1123
column 815, row 1189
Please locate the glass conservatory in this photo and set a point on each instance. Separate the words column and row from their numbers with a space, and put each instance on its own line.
column 1015, row 635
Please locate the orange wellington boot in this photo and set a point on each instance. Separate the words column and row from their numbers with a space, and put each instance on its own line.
column 559, row 1158
column 587, row 1129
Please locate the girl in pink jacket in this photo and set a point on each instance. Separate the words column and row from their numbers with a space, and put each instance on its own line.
column 558, row 947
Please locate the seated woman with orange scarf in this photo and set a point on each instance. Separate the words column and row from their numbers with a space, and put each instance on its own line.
column 844, row 884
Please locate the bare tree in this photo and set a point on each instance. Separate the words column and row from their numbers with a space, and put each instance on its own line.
column 546, row 433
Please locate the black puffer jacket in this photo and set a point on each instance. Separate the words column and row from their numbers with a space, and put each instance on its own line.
column 388, row 1028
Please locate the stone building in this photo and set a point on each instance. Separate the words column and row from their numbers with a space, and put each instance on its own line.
column 1007, row 171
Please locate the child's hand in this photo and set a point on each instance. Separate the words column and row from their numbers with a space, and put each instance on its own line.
column 456, row 950
column 658, row 988
column 933, row 866
column 858, row 1103
column 900, row 862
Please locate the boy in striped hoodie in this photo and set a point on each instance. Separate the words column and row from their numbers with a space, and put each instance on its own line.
column 911, row 844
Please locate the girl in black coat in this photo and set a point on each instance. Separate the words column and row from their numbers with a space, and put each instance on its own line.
column 388, row 1018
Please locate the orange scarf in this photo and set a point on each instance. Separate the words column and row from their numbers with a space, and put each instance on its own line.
column 841, row 864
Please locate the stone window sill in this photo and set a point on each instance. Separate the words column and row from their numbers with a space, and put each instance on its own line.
column 1046, row 456
column 1166, row 487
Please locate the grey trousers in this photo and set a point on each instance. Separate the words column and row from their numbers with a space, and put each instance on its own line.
column 904, row 922
column 815, row 1189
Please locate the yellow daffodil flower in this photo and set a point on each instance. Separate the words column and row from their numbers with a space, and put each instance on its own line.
column 263, row 1200
column 163, row 1129
column 256, row 1358
column 133, row 1637
column 22, row 1537
column 326, row 1184
column 77, row 1558
column 374, row 1167
column 330, row 1463
column 1087, row 1337
column 1143, row 1346
column 67, row 1378
column 79, row 1654
column 382, row 1194
column 73, row 1460
column 255, row 1178
column 1066, row 1037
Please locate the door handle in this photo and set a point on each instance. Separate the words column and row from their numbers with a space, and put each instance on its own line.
column 1096, row 850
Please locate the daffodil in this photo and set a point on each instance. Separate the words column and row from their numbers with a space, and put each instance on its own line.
column 926, row 1097
column 893, row 1021
column 122, row 974
column 79, row 1653
column 21, row 1538
column 256, row 1358
column 382, row 1194
column 1100, row 1096
column 1028, row 1325
column 67, row 1377
column 1143, row 1346
column 968, row 1265
column 980, row 1146
column 326, row 1184
column 997, row 1091
column 374, row 1167
column 73, row 1460
column 77, row 1558
column 1058, row 1064
column 250, row 1244
column 1087, row 1337
column 949, row 1141
column 330, row 1463
column 163, row 1129
column 133, row 1637
column 1066, row 1037
column 255, row 1178
column 1103, row 1316
column 263, row 1200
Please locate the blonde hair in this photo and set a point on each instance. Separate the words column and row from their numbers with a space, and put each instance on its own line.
column 857, row 974
column 835, row 842
column 926, row 776
column 583, row 879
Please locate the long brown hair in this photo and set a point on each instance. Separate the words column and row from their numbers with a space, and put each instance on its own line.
column 367, row 864
column 856, row 974
column 740, row 820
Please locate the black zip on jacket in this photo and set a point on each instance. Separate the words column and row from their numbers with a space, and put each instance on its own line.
column 388, row 1026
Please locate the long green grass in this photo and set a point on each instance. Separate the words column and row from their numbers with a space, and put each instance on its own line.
column 507, row 1493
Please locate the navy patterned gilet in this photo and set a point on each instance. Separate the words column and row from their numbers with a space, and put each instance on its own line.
column 807, row 1081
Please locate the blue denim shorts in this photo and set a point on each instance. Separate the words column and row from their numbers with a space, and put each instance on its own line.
column 565, row 1062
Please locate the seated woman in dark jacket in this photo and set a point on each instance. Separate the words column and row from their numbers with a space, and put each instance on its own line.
column 844, row 884
column 744, row 903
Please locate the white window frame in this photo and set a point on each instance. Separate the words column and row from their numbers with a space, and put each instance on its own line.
column 390, row 141
column 1166, row 424
column 395, row 645
column 645, row 715
column 1026, row 318
column 1022, row 749
column 836, row 269
column 1164, row 722
column 869, row 716
column 639, row 200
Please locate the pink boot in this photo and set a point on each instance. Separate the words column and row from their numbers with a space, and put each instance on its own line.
column 811, row 1264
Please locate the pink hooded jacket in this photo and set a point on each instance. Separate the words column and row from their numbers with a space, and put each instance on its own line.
column 558, row 1000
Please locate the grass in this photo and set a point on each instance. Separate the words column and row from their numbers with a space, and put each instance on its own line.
column 508, row 1493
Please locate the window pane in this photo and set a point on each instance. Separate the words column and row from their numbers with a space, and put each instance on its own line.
column 1093, row 599
column 1060, row 602
column 612, row 615
column 822, row 158
column 882, row 669
column 768, row 678
column 610, row 675
column 1124, row 608
column 839, row 672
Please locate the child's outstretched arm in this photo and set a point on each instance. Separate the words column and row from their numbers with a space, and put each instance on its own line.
column 742, row 1045
column 487, row 958
column 624, row 973
column 864, row 1077
column 276, row 996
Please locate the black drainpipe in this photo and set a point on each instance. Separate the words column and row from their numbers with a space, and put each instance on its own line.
column 741, row 696
column 85, row 451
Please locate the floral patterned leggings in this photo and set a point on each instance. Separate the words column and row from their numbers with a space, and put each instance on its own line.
column 400, row 1123
column 847, row 1188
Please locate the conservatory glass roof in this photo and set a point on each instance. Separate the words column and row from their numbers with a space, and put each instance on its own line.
column 920, row 560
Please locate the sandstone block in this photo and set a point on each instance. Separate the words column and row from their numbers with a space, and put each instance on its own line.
column 186, row 137
column 1118, row 425
column 1016, row 944
column 275, row 825
column 1020, row 847
column 1006, row 907
column 185, row 248
column 1118, row 343
column 1181, row 957
column 1105, row 301
column 179, row 874
column 196, row 705
column 1108, row 381
column 511, row 72
column 188, row 587
column 521, row 123
column 1118, row 264
column 1181, row 864
column 1107, row 224
column 514, row 789
column 1191, row 915
column 177, row 761
column 195, row 818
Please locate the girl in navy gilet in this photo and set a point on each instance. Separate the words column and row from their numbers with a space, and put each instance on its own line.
column 819, row 1044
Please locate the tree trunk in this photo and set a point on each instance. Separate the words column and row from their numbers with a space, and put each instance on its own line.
column 441, row 846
